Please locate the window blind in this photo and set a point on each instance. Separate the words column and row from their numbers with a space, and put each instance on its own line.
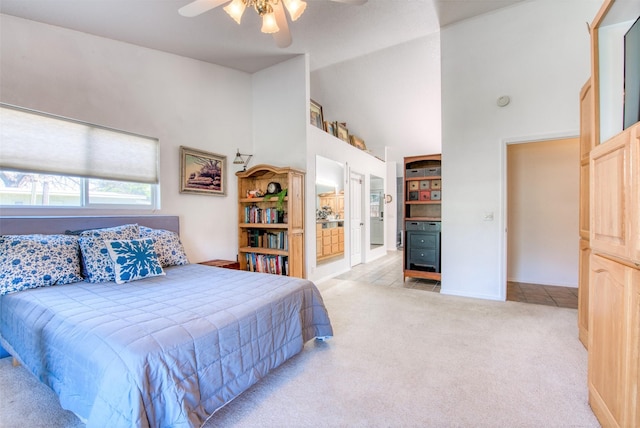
column 41, row 143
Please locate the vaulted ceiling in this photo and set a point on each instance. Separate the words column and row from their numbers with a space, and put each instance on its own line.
column 329, row 31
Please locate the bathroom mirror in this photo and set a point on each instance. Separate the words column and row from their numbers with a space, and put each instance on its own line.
column 329, row 210
column 376, row 209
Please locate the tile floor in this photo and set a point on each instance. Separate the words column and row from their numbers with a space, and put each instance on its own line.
column 387, row 271
column 550, row 295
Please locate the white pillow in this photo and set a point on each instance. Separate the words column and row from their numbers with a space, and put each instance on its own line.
column 134, row 259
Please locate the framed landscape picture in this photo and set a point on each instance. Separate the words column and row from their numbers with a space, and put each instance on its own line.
column 202, row 172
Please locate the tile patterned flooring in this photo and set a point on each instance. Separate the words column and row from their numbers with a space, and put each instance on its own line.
column 387, row 271
column 550, row 295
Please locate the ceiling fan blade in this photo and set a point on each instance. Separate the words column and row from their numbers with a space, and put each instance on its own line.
column 199, row 6
column 353, row 2
column 283, row 36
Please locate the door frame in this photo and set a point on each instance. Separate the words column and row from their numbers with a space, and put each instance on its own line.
column 503, row 253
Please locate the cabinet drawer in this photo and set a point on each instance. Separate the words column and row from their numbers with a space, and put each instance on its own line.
column 424, row 256
column 423, row 240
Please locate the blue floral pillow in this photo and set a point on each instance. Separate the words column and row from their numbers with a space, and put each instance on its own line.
column 97, row 265
column 30, row 261
column 167, row 245
column 134, row 259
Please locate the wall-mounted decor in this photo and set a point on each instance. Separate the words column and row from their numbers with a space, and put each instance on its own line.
column 342, row 132
column 317, row 118
column 357, row 142
column 202, row 172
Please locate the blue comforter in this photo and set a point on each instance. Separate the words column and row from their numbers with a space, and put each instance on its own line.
column 166, row 351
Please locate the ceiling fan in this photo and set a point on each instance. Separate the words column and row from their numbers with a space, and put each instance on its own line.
column 274, row 20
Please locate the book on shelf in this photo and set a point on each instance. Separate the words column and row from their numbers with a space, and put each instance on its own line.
column 264, row 263
column 255, row 214
column 259, row 238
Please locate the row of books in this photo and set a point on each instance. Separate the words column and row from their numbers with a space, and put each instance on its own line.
column 263, row 239
column 267, row 264
column 255, row 214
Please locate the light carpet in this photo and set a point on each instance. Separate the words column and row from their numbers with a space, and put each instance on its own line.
column 399, row 358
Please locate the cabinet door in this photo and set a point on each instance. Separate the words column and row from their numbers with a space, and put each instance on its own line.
column 634, row 206
column 610, row 197
column 607, row 340
column 633, row 377
column 583, row 292
column 340, row 205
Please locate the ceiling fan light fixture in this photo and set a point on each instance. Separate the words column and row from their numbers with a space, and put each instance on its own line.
column 235, row 9
column 269, row 24
column 295, row 8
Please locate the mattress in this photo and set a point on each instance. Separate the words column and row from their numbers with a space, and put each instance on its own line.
column 163, row 351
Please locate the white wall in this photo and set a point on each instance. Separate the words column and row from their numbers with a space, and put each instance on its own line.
column 543, row 189
column 281, row 112
column 400, row 84
column 355, row 160
column 537, row 53
column 178, row 100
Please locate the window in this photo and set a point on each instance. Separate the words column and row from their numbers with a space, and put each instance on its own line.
column 51, row 161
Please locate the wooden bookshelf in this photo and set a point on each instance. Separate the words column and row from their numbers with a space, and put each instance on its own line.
column 269, row 241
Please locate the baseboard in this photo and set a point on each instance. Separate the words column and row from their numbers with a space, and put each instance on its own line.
column 443, row 290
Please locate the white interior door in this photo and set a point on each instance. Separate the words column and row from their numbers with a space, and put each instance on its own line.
column 356, row 219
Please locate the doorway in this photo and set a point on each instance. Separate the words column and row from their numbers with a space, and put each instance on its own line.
column 356, row 228
column 543, row 180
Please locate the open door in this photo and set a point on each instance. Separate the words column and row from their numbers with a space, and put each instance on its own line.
column 356, row 218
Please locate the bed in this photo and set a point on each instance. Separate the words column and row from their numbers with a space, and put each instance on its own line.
column 166, row 350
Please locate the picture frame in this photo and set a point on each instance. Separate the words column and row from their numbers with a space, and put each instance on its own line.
column 202, row 172
column 357, row 142
column 330, row 128
column 342, row 132
column 316, row 116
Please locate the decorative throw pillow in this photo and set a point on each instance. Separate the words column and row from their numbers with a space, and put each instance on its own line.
column 97, row 265
column 167, row 245
column 134, row 259
column 30, row 261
